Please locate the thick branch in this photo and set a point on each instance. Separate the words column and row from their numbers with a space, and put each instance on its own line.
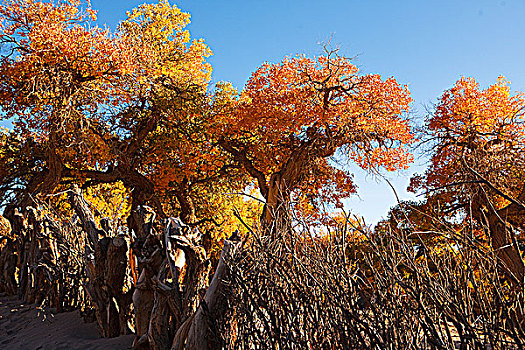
column 86, row 216
column 240, row 156
column 198, row 335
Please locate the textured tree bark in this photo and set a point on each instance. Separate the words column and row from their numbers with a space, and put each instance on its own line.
column 506, row 249
column 200, row 335
column 187, row 207
column 143, row 300
column 275, row 213
column 502, row 242
column 174, row 301
column 149, row 255
column 55, row 166
column 106, row 261
column 18, row 234
column 144, row 296
column 31, row 247
column 46, row 181
column 34, row 286
column 282, row 183
column 158, row 332
column 8, row 258
column 40, row 258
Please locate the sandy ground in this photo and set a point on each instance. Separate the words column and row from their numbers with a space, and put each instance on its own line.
column 25, row 327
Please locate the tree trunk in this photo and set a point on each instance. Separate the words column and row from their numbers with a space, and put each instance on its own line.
column 276, row 211
column 106, row 263
column 158, row 332
column 176, row 304
column 172, row 302
column 8, row 258
column 506, row 249
column 32, row 247
column 151, row 258
column 201, row 334
column 47, row 180
column 40, row 262
column 501, row 239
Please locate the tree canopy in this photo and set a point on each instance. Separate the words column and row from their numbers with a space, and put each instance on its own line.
column 476, row 171
column 101, row 107
column 297, row 124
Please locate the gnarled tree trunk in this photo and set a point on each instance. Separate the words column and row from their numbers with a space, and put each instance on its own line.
column 8, row 258
column 174, row 306
column 39, row 259
column 506, row 249
column 106, row 262
column 276, row 214
column 171, row 284
column 201, row 333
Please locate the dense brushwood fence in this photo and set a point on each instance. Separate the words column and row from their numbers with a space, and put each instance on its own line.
column 295, row 288
column 156, row 282
column 41, row 259
column 300, row 290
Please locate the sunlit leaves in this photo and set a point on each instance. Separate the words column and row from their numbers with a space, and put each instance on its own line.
column 162, row 49
column 475, row 129
column 318, row 113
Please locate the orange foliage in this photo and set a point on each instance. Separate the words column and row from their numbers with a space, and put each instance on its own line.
column 133, row 107
column 109, row 107
column 311, row 114
column 57, row 61
column 303, row 98
column 477, row 130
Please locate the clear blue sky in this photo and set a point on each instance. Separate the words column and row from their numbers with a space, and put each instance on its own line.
column 425, row 44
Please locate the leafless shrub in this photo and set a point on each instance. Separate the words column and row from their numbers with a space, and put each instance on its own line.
column 350, row 288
